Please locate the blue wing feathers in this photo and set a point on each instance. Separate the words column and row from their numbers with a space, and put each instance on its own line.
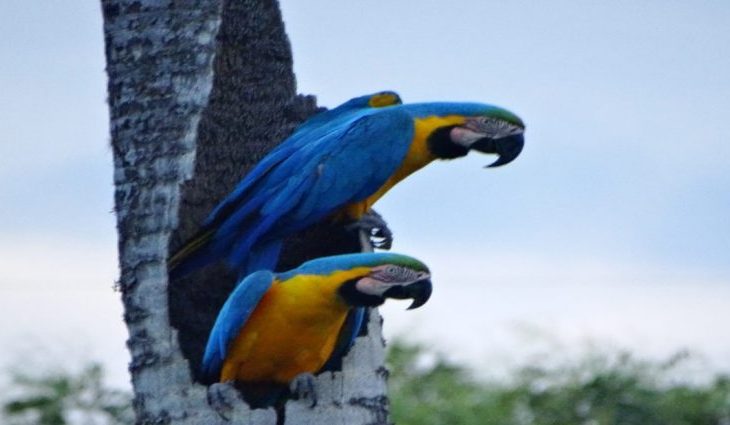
column 245, row 246
column 234, row 314
column 344, row 166
column 265, row 256
column 345, row 169
column 239, row 194
column 356, row 164
column 248, row 236
column 306, row 179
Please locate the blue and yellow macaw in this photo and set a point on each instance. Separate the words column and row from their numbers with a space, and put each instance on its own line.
column 337, row 168
column 275, row 327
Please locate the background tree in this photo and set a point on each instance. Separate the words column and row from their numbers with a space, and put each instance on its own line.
column 61, row 398
column 600, row 388
column 199, row 90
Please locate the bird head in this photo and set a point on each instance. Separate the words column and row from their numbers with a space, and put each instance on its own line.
column 474, row 126
column 497, row 131
column 391, row 276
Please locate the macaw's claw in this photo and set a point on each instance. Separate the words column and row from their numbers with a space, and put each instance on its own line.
column 222, row 397
column 304, row 387
column 375, row 228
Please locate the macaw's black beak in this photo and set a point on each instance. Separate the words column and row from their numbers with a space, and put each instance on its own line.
column 508, row 148
column 419, row 292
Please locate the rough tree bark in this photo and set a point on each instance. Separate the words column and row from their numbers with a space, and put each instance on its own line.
column 199, row 90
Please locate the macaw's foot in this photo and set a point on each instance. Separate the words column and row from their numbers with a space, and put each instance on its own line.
column 304, row 387
column 375, row 228
column 222, row 397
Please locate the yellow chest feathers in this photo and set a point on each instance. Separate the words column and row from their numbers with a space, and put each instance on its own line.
column 292, row 330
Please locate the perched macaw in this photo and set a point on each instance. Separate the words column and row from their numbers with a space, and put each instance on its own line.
column 275, row 327
column 338, row 170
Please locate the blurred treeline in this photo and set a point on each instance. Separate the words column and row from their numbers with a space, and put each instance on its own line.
column 426, row 388
column 599, row 389
column 60, row 398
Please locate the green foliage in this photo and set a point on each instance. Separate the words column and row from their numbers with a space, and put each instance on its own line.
column 61, row 398
column 599, row 390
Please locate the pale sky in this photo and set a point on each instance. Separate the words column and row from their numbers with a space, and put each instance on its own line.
column 612, row 228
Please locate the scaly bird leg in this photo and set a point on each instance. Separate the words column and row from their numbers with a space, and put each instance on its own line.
column 304, row 387
column 376, row 228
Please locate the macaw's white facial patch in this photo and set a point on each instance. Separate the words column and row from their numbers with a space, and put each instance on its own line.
column 480, row 127
column 464, row 136
column 387, row 276
column 370, row 286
